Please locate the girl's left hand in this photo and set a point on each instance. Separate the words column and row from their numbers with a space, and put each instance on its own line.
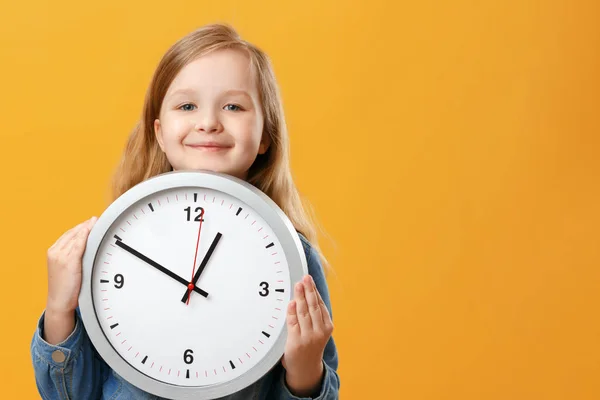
column 309, row 329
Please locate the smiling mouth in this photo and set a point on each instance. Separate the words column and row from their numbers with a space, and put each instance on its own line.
column 208, row 147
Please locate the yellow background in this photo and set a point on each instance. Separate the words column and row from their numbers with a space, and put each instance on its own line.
column 450, row 150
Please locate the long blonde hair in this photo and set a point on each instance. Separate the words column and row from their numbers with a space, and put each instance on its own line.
column 142, row 157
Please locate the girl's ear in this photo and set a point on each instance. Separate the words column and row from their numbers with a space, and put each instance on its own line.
column 158, row 134
column 265, row 142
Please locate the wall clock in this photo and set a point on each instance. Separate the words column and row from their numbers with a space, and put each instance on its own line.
column 186, row 279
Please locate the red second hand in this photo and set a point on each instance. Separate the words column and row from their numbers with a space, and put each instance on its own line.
column 191, row 285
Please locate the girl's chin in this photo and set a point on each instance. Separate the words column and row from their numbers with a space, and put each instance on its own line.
column 210, row 169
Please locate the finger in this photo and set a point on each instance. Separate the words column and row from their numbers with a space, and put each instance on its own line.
column 314, row 308
column 67, row 236
column 304, row 318
column 77, row 243
column 292, row 319
column 324, row 310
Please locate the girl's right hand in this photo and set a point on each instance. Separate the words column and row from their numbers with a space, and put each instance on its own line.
column 64, row 269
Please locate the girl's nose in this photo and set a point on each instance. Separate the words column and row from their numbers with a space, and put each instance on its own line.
column 208, row 123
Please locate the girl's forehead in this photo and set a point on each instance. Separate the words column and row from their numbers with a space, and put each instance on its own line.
column 218, row 70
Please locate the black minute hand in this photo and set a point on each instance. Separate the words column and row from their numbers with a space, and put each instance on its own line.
column 156, row 265
column 203, row 264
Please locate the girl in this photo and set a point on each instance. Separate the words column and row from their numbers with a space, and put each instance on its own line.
column 213, row 104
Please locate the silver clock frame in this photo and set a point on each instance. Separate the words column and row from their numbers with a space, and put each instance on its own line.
column 245, row 192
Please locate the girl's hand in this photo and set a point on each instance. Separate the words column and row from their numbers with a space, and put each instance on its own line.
column 64, row 269
column 309, row 328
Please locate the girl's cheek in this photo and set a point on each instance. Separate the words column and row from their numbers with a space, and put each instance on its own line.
column 251, row 127
column 179, row 128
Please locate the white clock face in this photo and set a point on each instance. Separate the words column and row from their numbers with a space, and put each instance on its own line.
column 140, row 277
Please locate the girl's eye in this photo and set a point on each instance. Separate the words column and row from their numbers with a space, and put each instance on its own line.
column 187, row 107
column 232, row 107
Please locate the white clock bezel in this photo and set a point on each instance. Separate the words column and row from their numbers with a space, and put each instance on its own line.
column 245, row 192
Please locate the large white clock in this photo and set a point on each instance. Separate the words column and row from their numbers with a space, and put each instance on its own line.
column 186, row 280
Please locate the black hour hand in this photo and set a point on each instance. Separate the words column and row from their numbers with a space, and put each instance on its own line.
column 203, row 265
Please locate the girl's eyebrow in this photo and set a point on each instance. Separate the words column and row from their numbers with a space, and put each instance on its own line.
column 237, row 92
column 230, row 92
column 185, row 91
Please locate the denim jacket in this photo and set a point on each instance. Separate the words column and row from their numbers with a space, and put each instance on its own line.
column 73, row 369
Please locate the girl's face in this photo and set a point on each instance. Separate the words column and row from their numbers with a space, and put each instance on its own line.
column 211, row 117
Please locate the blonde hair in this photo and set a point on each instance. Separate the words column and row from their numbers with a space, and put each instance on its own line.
column 142, row 157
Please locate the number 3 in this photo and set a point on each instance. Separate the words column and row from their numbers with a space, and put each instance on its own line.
column 265, row 291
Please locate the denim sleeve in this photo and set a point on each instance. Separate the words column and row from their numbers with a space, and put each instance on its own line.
column 68, row 370
column 331, row 381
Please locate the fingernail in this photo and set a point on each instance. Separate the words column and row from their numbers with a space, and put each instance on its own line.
column 299, row 286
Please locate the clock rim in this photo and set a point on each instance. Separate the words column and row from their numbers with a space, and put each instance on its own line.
column 257, row 200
